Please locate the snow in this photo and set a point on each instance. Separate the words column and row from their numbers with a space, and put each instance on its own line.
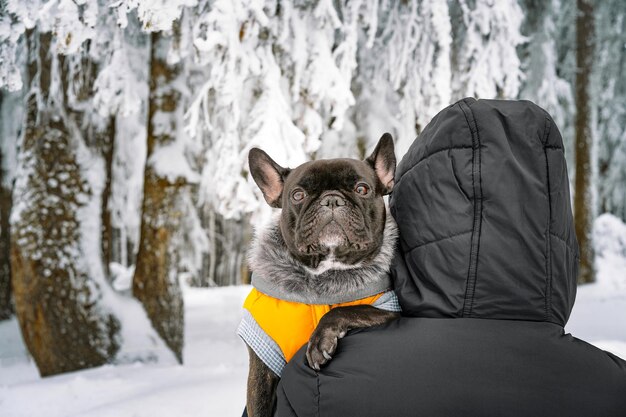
column 599, row 313
column 212, row 380
column 11, row 116
column 210, row 383
column 155, row 15
column 169, row 160
column 118, row 92
column 121, row 277
column 10, row 32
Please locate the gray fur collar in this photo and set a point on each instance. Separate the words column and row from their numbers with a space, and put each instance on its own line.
column 278, row 274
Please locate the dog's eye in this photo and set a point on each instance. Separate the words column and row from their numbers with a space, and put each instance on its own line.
column 362, row 188
column 298, row 195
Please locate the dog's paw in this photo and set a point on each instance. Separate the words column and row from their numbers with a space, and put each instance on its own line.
column 322, row 345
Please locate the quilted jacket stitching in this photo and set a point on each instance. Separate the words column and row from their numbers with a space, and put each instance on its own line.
column 424, row 158
column 439, row 240
column 548, row 286
column 472, row 271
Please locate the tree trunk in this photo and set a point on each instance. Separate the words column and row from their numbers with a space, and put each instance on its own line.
column 58, row 303
column 583, row 196
column 155, row 282
column 6, row 307
column 107, row 241
column 229, row 239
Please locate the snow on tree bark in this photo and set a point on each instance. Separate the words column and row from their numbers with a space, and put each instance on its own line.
column 583, row 195
column 155, row 282
column 64, row 323
column 11, row 98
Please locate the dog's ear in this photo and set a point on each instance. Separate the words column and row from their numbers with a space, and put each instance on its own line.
column 268, row 175
column 383, row 160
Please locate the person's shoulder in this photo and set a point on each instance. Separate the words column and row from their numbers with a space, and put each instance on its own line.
column 609, row 359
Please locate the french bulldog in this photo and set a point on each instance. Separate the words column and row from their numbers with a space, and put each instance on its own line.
column 331, row 243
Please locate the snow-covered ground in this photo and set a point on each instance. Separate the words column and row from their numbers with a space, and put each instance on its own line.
column 599, row 314
column 210, row 383
column 212, row 380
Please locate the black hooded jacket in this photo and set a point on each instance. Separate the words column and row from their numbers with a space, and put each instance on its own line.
column 486, row 276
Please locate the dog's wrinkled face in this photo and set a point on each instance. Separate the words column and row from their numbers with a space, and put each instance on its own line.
column 333, row 212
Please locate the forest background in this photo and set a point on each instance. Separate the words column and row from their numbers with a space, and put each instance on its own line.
column 125, row 127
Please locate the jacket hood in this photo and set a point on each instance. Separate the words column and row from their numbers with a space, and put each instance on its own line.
column 483, row 209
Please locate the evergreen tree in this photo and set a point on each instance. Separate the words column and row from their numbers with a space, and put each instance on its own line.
column 610, row 105
column 542, row 82
column 485, row 56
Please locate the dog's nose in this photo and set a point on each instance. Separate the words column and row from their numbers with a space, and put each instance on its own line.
column 333, row 200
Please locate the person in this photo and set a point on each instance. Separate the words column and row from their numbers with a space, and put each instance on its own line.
column 485, row 272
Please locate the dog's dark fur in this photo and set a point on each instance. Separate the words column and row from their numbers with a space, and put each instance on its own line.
column 333, row 217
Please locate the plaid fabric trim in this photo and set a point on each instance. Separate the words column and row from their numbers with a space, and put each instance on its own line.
column 264, row 346
column 388, row 301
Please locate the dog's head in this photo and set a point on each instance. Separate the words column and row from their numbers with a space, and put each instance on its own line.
column 333, row 213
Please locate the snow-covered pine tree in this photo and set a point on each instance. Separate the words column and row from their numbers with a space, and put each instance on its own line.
column 486, row 34
column 583, row 191
column 240, row 105
column 610, row 105
column 542, row 83
column 225, row 36
column 315, row 46
column 565, row 42
column 404, row 73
